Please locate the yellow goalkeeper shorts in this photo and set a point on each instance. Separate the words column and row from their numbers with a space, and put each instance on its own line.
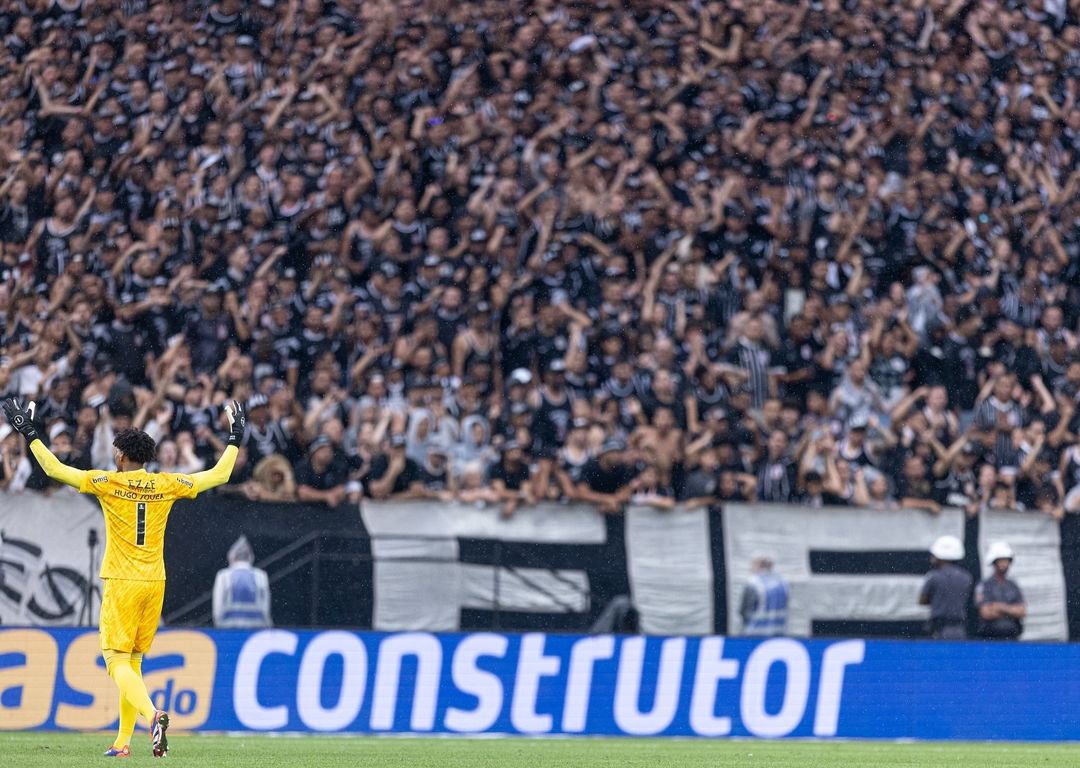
column 130, row 614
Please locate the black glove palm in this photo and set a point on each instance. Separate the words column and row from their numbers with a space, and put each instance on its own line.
column 21, row 419
column 237, row 422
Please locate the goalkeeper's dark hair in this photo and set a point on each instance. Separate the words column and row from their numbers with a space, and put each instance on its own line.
column 136, row 445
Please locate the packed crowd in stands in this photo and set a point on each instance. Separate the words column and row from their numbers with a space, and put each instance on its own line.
column 813, row 251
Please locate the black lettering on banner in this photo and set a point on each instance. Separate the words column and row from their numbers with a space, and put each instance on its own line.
column 61, row 592
column 140, row 524
column 604, row 565
column 864, row 563
column 49, row 593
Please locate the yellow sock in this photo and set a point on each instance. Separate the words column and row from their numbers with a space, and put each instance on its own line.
column 131, row 684
column 127, row 723
column 128, row 713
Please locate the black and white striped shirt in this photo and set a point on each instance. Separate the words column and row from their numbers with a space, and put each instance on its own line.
column 758, row 363
column 1019, row 311
column 987, row 414
column 776, row 480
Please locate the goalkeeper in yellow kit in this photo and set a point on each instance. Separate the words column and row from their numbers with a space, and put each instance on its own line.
column 136, row 504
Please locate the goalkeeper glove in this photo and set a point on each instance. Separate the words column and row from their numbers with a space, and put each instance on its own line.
column 21, row 419
column 237, row 421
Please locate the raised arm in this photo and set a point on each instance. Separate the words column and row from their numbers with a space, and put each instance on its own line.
column 22, row 421
column 220, row 473
column 55, row 468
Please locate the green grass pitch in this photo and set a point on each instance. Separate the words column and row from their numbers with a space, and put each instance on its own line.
column 55, row 750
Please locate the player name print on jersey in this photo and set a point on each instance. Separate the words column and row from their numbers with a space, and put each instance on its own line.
column 135, row 496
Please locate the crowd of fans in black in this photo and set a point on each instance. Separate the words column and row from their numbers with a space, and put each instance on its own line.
column 814, row 251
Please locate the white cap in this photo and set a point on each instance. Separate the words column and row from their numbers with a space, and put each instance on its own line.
column 520, row 376
column 947, row 548
column 999, row 550
column 241, row 550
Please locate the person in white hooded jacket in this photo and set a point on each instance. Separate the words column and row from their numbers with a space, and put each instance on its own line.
column 242, row 591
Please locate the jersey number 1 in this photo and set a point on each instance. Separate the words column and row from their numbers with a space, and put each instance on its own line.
column 140, row 524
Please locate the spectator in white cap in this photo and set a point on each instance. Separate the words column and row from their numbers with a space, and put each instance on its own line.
column 241, row 591
column 998, row 599
column 947, row 590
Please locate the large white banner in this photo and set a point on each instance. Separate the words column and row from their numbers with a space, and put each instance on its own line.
column 788, row 534
column 670, row 566
column 1036, row 541
column 420, row 582
column 45, row 559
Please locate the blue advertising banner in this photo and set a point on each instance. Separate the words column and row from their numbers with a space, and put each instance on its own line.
column 280, row 680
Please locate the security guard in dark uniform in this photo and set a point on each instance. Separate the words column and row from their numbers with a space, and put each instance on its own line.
column 947, row 590
column 998, row 599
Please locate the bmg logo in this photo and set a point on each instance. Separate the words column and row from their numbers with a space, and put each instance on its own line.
column 35, row 672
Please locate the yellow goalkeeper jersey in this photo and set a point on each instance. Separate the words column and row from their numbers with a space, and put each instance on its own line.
column 136, row 506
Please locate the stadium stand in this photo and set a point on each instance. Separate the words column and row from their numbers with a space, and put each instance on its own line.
column 822, row 251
